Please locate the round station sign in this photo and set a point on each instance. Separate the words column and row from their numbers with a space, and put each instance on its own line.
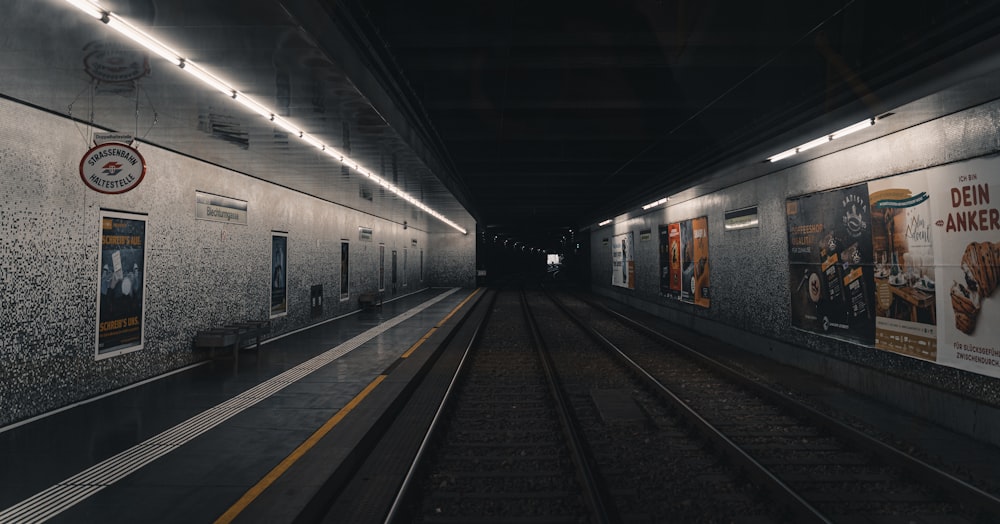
column 112, row 168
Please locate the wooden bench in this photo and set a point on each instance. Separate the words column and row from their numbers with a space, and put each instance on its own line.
column 370, row 301
column 232, row 336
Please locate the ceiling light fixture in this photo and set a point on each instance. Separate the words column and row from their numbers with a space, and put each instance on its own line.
column 252, row 105
column 94, row 9
column 88, row 7
column 604, row 223
column 813, row 143
column 840, row 133
column 133, row 33
column 207, row 78
column 864, row 124
column 654, row 204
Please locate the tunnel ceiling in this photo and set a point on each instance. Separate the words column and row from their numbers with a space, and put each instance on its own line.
column 532, row 117
column 560, row 114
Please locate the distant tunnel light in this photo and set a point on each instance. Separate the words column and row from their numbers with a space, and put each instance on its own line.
column 94, row 10
column 840, row 133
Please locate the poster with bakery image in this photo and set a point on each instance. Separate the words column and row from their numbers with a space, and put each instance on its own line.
column 830, row 263
column 965, row 201
column 700, row 288
column 904, row 266
column 623, row 261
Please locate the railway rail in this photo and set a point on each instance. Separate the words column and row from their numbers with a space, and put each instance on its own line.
column 560, row 410
column 510, row 448
column 816, row 467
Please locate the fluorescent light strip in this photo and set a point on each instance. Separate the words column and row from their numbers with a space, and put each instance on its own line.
column 604, row 223
column 654, row 204
column 93, row 9
column 864, row 124
column 783, row 154
column 311, row 140
column 285, row 124
column 813, row 143
column 88, row 7
column 115, row 22
column 252, row 105
column 206, row 77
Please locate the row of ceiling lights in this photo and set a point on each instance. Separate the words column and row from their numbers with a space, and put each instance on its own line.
column 840, row 133
column 510, row 243
column 112, row 20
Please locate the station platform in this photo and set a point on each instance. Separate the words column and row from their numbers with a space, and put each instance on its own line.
column 203, row 443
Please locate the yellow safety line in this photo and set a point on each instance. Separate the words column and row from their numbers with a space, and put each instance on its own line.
column 313, row 439
column 303, row 448
column 419, row 342
column 438, row 325
column 468, row 298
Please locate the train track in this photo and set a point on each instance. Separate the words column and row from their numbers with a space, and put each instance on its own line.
column 815, row 468
column 509, row 450
column 562, row 411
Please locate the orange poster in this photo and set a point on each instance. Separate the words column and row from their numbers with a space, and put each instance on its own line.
column 700, row 283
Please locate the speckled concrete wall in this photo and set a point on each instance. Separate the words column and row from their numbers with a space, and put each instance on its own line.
column 453, row 259
column 198, row 273
column 750, row 287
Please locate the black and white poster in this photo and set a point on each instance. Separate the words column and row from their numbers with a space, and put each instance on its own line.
column 120, row 298
column 279, row 274
column 345, row 269
column 623, row 261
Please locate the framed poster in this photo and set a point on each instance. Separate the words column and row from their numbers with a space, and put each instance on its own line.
column 700, row 270
column 831, row 275
column 965, row 213
column 687, row 261
column 121, row 290
column 381, row 267
column 902, row 246
column 664, row 251
column 623, row 261
column 279, row 274
column 345, row 269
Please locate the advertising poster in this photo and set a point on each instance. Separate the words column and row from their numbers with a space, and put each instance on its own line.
column 700, row 267
column 687, row 261
column 381, row 268
column 830, row 263
column 345, row 269
column 675, row 260
column 121, row 290
column 904, row 266
column 965, row 200
column 622, row 261
column 665, row 253
column 279, row 266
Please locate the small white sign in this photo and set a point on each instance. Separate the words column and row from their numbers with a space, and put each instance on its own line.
column 112, row 168
column 217, row 208
column 121, row 138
